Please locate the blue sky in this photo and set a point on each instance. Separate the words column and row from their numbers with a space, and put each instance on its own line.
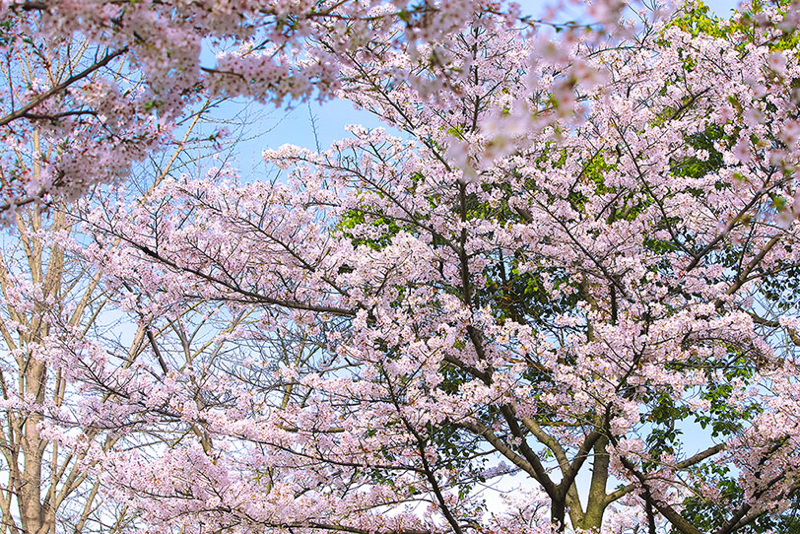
column 721, row 7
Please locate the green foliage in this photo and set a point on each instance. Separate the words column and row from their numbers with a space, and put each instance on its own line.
column 694, row 167
column 664, row 414
column 703, row 513
column 696, row 19
column 6, row 26
column 354, row 217
column 518, row 295
column 708, row 516
column 723, row 417
column 783, row 289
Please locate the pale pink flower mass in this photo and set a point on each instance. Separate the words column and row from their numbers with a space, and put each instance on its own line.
column 555, row 292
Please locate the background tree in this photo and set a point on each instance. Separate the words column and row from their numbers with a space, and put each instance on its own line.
column 68, row 352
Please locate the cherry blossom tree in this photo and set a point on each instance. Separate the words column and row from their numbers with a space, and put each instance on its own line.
column 134, row 69
column 571, row 267
column 73, row 98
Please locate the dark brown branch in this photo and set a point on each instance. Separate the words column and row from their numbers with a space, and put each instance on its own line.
column 21, row 112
